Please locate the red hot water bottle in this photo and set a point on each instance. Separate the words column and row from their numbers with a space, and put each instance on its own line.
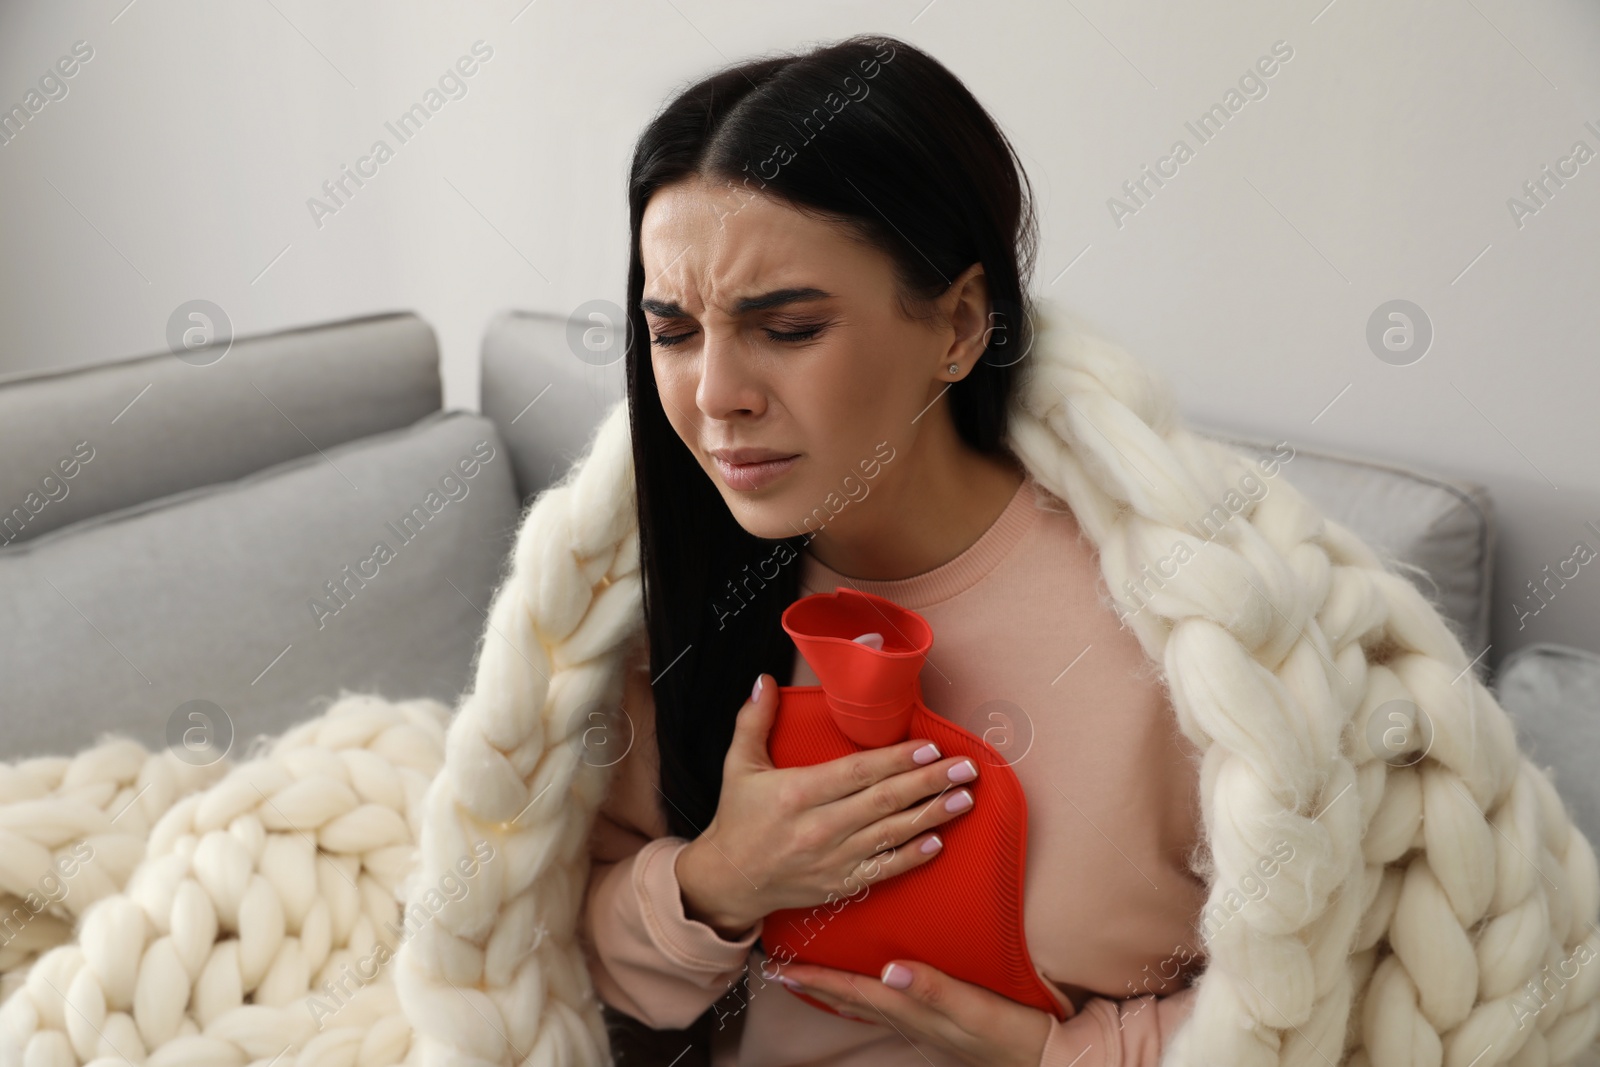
column 960, row 912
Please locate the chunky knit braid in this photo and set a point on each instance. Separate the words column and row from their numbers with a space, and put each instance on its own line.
column 498, row 977
column 1418, row 909
column 251, row 926
column 1251, row 680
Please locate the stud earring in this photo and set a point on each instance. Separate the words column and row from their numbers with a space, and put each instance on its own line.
column 955, row 368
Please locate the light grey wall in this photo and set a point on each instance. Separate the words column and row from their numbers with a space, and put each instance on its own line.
column 1378, row 165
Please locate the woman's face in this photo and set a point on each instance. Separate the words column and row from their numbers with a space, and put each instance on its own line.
column 778, row 336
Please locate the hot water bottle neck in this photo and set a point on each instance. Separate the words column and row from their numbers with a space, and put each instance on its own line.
column 960, row 912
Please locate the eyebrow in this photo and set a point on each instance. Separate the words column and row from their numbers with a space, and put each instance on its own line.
column 766, row 301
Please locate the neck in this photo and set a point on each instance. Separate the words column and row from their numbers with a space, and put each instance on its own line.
column 926, row 517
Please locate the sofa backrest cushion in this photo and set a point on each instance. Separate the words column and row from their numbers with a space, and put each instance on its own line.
column 88, row 440
column 366, row 566
column 543, row 397
column 1442, row 527
column 1552, row 693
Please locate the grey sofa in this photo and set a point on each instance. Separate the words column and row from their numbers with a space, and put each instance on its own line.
column 220, row 536
column 211, row 542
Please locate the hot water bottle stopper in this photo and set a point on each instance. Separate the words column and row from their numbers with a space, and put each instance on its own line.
column 960, row 912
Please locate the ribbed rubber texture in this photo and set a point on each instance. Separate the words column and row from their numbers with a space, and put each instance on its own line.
column 960, row 912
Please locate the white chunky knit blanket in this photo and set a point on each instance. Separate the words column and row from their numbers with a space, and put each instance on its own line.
column 1439, row 907
column 225, row 915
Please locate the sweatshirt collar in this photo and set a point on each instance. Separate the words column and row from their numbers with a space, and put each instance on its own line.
column 954, row 576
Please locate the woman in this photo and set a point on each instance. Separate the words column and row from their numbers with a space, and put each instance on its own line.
column 827, row 298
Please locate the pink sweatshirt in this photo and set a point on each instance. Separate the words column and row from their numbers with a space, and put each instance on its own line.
column 1027, row 657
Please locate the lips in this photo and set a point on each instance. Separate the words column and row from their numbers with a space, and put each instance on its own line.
column 765, row 469
column 746, row 456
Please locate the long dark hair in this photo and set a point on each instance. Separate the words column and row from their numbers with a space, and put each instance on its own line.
column 877, row 135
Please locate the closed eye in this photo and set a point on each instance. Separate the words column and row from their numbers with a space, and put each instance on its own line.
column 804, row 333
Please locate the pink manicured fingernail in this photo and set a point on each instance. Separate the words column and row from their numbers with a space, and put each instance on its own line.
column 926, row 754
column 965, row 771
column 896, row 977
column 790, row 984
column 960, row 802
column 755, row 690
column 932, row 844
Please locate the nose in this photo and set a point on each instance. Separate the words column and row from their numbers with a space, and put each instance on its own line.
column 727, row 384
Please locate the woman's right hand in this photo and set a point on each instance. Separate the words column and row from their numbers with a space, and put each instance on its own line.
column 792, row 837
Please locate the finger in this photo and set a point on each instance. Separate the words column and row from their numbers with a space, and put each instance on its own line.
column 930, row 1001
column 868, row 998
column 846, row 1010
column 954, row 1013
column 748, row 749
column 927, row 794
column 831, row 987
column 887, row 860
column 946, row 1007
column 848, row 775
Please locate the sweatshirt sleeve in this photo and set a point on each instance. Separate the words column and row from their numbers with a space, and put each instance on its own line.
column 645, row 956
column 1117, row 1033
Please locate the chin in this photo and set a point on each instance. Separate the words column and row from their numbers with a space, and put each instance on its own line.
column 766, row 519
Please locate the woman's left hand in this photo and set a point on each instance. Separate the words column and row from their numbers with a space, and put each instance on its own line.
column 976, row 1024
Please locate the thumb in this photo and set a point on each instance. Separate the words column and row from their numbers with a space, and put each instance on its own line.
column 748, row 749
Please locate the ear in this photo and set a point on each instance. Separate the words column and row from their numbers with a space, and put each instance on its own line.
column 965, row 306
